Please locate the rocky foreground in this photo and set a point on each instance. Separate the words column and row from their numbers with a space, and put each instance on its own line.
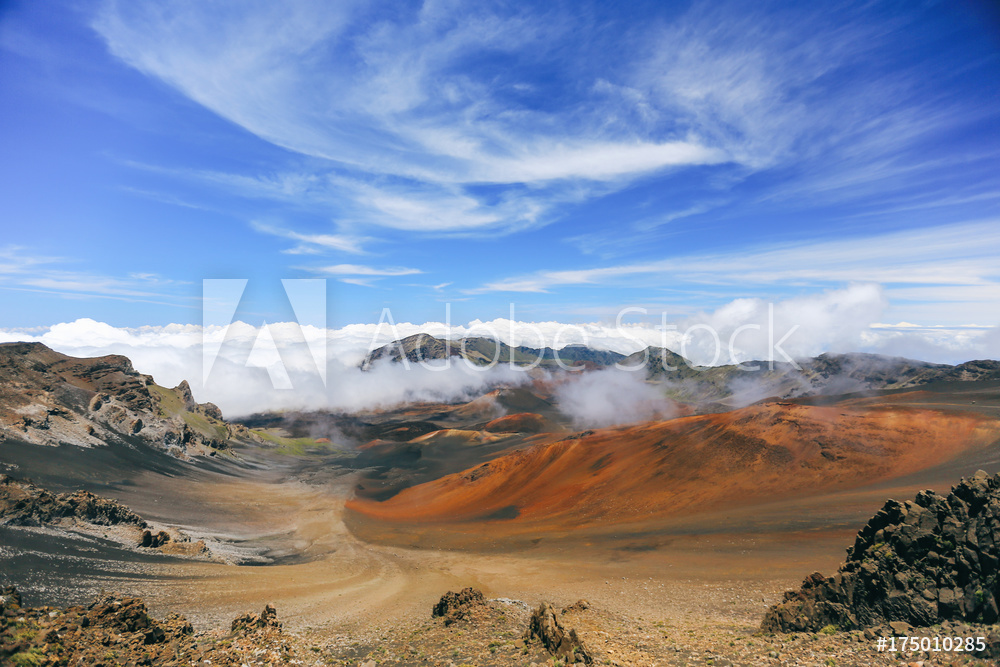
column 907, row 556
column 119, row 631
column 464, row 630
column 932, row 560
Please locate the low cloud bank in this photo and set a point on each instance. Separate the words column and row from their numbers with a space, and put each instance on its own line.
column 610, row 396
column 244, row 369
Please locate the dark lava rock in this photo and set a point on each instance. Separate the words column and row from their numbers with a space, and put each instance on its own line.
column 24, row 504
column 922, row 562
column 251, row 623
column 562, row 644
column 151, row 541
column 456, row 606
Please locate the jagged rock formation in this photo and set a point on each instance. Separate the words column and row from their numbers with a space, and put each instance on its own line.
column 48, row 398
column 933, row 559
column 457, row 606
column 562, row 644
column 24, row 504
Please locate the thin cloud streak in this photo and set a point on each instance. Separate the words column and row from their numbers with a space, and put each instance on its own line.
column 313, row 243
column 956, row 256
column 360, row 270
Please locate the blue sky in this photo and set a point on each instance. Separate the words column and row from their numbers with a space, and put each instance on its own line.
column 571, row 158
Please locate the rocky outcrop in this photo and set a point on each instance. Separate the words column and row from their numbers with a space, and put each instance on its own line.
column 562, row 644
column 129, row 615
column 458, row 606
column 24, row 504
column 920, row 562
column 48, row 398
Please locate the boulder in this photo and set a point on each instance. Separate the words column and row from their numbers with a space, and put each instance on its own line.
column 562, row 644
column 151, row 541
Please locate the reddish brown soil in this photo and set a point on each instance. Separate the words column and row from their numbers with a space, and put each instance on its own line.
column 523, row 422
column 689, row 465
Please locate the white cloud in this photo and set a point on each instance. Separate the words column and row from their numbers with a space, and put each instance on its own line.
column 14, row 261
column 938, row 265
column 313, row 243
column 848, row 319
column 609, row 397
column 390, row 99
column 404, row 121
column 21, row 271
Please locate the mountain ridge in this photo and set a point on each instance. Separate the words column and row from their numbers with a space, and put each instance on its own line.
column 731, row 384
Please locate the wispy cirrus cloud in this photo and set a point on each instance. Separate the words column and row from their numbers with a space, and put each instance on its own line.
column 954, row 263
column 361, row 270
column 397, row 98
column 313, row 244
column 21, row 270
column 17, row 261
column 411, row 113
column 360, row 274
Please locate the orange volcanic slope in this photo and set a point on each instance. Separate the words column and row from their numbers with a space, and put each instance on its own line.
column 691, row 464
column 522, row 422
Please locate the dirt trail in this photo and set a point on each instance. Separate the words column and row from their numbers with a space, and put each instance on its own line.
column 350, row 587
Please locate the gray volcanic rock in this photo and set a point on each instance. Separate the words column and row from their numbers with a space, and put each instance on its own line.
column 24, row 504
column 922, row 562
